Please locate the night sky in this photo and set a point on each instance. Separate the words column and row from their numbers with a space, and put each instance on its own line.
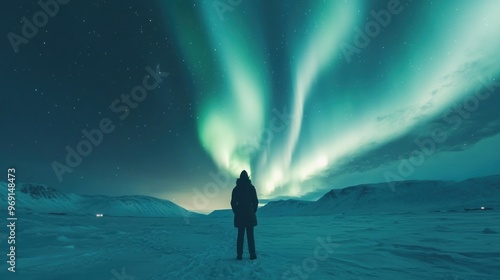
column 305, row 95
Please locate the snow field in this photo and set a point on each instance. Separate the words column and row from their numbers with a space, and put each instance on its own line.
column 430, row 245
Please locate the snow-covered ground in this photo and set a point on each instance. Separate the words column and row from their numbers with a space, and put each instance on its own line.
column 417, row 230
column 425, row 245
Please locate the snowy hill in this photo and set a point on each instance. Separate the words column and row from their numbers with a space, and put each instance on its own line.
column 40, row 198
column 222, row 213
column 407, row 196
column 135, row 206
column 289, row 207
column 44, row 199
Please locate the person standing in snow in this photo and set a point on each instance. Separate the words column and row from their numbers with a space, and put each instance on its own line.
column 244, row 204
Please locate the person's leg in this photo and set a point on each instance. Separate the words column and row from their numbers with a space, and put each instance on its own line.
column 239, row 242
column 251, row 243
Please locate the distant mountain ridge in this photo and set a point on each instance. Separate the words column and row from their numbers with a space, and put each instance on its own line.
column 421, row 195
column 405, row 196
column 44, row 199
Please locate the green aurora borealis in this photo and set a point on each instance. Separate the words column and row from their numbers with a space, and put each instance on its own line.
column 404, row 76
column 306, row 95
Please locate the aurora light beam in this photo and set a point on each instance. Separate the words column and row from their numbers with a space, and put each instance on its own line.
column 428, row 58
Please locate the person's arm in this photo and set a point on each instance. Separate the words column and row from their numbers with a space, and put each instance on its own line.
column 255, row 201
column 234, row 203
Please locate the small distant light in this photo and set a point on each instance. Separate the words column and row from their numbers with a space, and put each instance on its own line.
column 98, row 215
column 482, row 207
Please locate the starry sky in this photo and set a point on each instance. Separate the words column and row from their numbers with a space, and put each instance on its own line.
column 173, row 99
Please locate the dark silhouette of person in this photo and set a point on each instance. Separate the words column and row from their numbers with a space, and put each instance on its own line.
column 244, row 204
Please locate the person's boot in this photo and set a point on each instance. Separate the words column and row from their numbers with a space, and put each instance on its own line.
column 239, row 257
column 253, row 257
